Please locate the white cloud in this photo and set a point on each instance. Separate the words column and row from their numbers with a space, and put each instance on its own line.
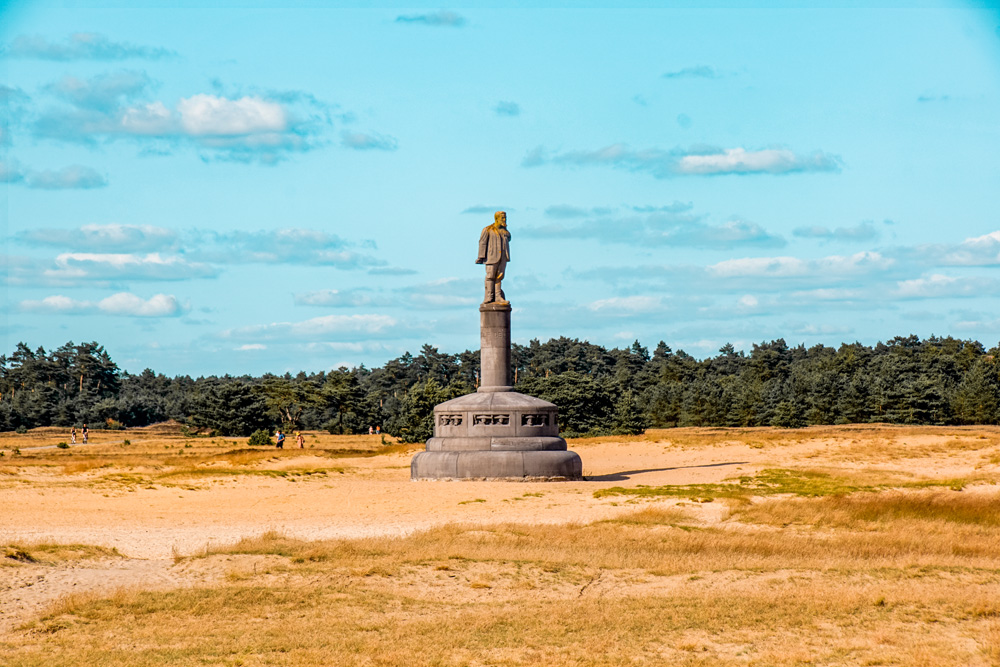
column 238, row 128
column 364, row 141
column 251, row 346
column 938, row 285
column 335, row 326
column 153, row 266
column 698, row 161
column 211, row 115
column 627, row 304
column 748, row 301
column 80, row 46
column 334, row 298
column 787, row 267
column 742, row 161
column 101, row 237
column 864, row 231
column 975, row 251
column 123, row 304
column 75, row 177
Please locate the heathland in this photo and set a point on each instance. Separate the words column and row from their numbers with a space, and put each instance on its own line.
column 845, row 545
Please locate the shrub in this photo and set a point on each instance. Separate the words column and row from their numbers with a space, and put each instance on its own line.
column 22, row 429
column 260, row 438
column 62, row 445
column 113, row 425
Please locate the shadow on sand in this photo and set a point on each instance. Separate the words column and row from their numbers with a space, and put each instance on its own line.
column 627, row 474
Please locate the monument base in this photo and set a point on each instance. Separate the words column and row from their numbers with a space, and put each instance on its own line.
column 518, row 466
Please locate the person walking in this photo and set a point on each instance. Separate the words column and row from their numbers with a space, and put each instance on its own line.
column 280, row 437
column 72, row 436
column 299, row 438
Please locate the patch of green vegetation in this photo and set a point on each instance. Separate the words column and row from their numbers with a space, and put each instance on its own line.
column 476, row 500
column 770, row 482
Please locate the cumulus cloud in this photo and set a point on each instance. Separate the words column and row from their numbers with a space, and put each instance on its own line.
column 438, row 294
column 281, row 246
column 123, row 304
column 791, row 267
column 865, row 231
column 941, row 286
column 106, row 250
column 103, row 92
column 364, row 141
column 693, row 72
column 439, row 19
column 333, row 298
column 111, row 237
column 507, row 109
column 253, row 127
column 339, row 327
column 80, row 46
column 569, row 211
column 77, row 266
column 655, row 226
column 698, row 161
column 975, row 251
column 251, row 347
column 69, row 178
column 75, row 177
column 627, row 305
column 208, row 115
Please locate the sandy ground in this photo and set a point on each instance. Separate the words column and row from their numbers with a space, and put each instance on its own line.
column 373, row 496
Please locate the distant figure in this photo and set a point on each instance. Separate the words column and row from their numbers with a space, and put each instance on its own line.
column 72, row 436
column 86, row 433
column 280, row 437
column 299, row 438
column 494, row 252
column 371, row 430
column 378, row 430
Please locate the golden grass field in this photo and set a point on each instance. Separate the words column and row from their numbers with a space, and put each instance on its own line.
column 853, row 545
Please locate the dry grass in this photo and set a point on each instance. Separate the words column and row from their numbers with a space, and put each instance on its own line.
column 654, row 587
column 160, row 455
column 840, row 563
column 51, row 554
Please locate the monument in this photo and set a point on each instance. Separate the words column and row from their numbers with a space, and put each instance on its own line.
column 496, row 433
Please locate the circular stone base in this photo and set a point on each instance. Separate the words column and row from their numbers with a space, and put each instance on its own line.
column 480, row 465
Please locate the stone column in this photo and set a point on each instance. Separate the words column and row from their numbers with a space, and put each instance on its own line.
column 494, row 347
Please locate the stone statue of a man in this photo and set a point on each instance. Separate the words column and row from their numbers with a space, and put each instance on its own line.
column 494, row 252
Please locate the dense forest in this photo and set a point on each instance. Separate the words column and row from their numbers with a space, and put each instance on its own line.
column 904, row 381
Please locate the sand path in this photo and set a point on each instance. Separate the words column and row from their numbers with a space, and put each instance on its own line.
column 374, row 496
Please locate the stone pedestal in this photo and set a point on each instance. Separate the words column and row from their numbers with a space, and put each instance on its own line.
column 494, row 347
column 496, row 433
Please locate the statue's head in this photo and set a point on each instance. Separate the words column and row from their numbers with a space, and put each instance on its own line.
column 500, row 218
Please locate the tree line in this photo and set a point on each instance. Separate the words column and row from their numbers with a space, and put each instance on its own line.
column 905, row 380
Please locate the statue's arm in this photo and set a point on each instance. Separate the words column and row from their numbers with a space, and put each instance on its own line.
column 484, row 244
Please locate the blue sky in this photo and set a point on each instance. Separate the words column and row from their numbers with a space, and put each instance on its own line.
column 248, row 189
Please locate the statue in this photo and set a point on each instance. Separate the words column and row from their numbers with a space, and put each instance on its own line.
column 494, row 251
column 496, row 432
